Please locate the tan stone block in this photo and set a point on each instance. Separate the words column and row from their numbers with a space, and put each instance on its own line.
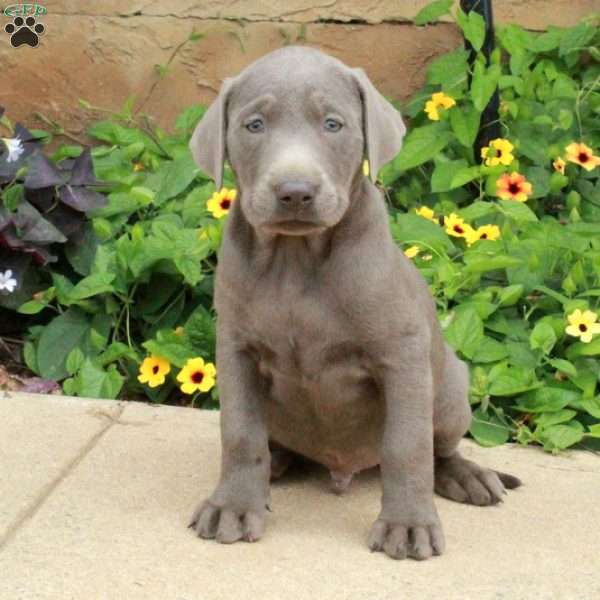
column 533, row 14
column 40, row 440
column 117, row 58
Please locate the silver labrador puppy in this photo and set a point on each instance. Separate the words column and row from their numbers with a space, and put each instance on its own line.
column 328, row 344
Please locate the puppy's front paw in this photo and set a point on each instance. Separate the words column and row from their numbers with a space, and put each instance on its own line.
column 227, row 525
column 402, row 537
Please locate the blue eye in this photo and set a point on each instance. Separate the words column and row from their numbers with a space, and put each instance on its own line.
column 332, row 124
column 255, row 126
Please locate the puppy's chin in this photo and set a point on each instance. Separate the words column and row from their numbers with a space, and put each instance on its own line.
column 294, row 228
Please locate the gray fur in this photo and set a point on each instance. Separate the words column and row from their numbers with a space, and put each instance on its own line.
column 328, row 345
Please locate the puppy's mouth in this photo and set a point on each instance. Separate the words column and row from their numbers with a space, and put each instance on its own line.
column 294, row 227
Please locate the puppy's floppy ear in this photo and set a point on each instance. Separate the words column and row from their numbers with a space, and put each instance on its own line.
column 208, row 143
column 383, row 126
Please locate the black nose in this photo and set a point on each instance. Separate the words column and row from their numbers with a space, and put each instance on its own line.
column 295, row 194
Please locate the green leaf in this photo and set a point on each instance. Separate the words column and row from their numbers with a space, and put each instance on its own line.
column 180, row 174
column 542, row 337
column 484, row 84
column 465, row 124
column 559, row 437
column 564, row 366
column 433, row 11
column 584, row 349
column 410, row 228
column 518, row 211
column 476, row 210
column 463, row 176
column 481, row 263
column 465, row 332
column 448, row 70
column 544, row 420
column 92, row 285
column 490, row 350
column 473, row 26
column 94, row 382
column 33, row 307
column 547, row 399
column 443, row 173
column 58, row 338
column 510, row 295
column 576, row 38
column 421, row 145
column 169, row 345
column 509, row 381
column 592, row 406
column 75, row 360
column 488, row 430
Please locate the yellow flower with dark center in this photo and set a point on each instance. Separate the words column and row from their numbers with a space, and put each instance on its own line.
column 583, row 325
column 499, row 152
column 427, row 213
column 153, row 370
column 412, row 251
column 485, row 232
column 138, row 166
column 438, row 100
column 582, row 155
column 197, row 376
column 513, row 187
column 559, row 165
column 456, row 227
column 220, row 202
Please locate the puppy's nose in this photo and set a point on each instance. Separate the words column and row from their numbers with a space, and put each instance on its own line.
column 295, row 194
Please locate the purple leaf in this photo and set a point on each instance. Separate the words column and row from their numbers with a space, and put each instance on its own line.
column 83, row 169
column 80, row 198
column 34, row 228
column 42, row 173
column 38, row 385
column 10, row 240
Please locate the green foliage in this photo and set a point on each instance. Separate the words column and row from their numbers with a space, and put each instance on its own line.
column 138, row 278
column 504, row 304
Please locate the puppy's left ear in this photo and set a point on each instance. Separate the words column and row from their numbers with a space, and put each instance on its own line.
column 209, row 140
column 383, row 126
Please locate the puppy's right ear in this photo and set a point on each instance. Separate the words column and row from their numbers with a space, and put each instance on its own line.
column 208, row 143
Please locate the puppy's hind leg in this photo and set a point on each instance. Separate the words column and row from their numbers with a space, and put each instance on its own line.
column 455, row 477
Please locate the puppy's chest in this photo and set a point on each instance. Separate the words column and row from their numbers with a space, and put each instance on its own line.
column 298, row 334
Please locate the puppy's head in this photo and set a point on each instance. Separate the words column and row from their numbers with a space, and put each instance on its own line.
column 296, row 126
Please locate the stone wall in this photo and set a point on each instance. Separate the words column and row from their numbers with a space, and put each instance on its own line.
column 105, row 51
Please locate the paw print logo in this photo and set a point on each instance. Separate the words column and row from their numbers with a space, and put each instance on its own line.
column 24, row 31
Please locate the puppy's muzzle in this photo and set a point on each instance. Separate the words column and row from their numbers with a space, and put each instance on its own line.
column 295, row 196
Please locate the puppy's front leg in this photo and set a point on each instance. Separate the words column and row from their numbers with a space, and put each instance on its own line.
column 236, row 509
column 408, row 524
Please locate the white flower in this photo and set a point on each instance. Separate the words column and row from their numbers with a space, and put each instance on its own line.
column 7, row 281
column 15, row 148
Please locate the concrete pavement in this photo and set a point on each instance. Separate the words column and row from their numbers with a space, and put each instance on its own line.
column 95, row 497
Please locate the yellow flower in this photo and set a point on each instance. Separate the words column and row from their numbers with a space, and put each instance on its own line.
column 456, row 227
column 499, row 152
column 438, row 100
column 485, row 232
column 366, row 168
column 581, row 154
column 220, row 202
column 583, row 325
column 197, row 375
column 412, row 251
column 153, row 370
column 138, row 166
column 559, row 165
column 513, row 187
column 427, row 213
column 178, row 330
